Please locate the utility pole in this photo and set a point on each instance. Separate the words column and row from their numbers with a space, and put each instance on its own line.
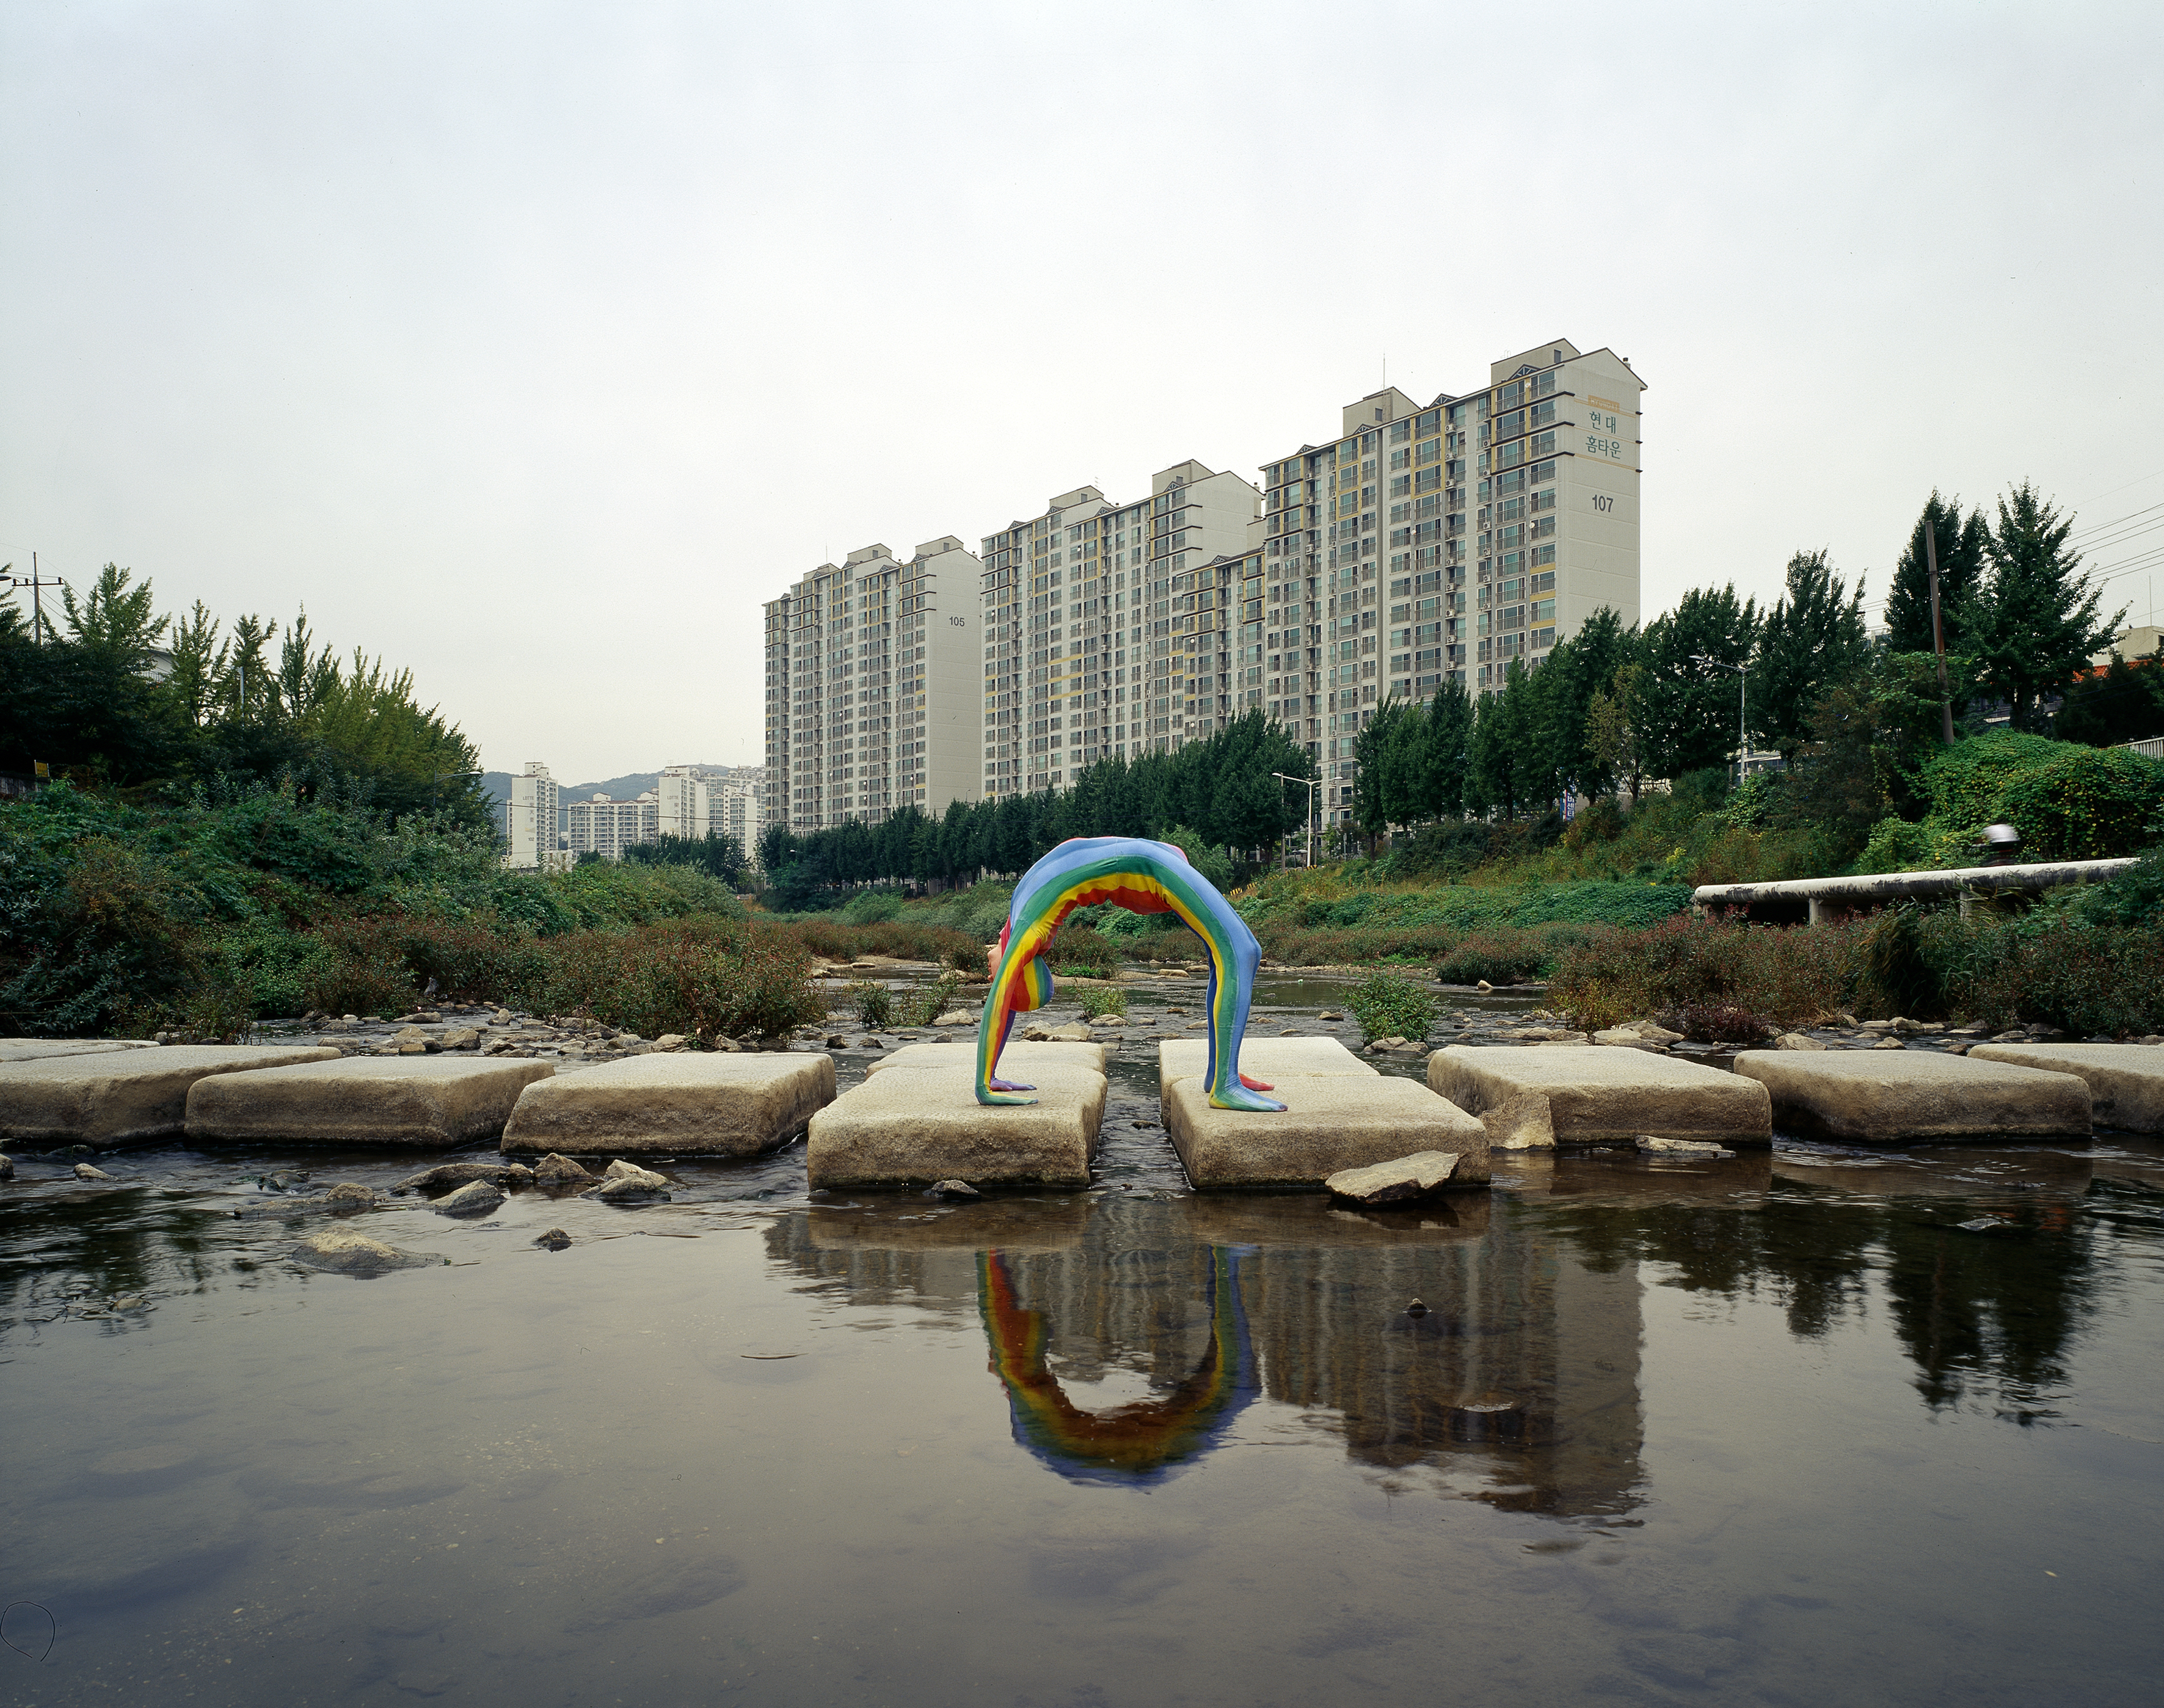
column 1938, row 629
column 1742, row 710
column 34, row 582
column 1313, row 783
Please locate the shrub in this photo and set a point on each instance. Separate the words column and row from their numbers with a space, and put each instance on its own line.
column 1794, row 975
column 1718, row 1023
column 1501, row 958
column 874, row 1004
column 1101, row 1002
column 922, row 1006
column 1389, row 1005
column 1079, row 950
column 705, row 978
column 873, row 907
column 2086, row 804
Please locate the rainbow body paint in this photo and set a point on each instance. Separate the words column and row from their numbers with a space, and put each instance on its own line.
column 1144, row 878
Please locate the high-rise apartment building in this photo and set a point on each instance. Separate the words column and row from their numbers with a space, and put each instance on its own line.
column 607, row 826
column 718, row 800
column 529, row 818
column 1107, row 626
column 1447, row 540
column 871, row 687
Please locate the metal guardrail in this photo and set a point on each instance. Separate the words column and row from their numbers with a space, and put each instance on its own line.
column 2153, row 748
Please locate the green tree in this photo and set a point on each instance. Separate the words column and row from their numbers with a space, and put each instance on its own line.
column 1964, row 544
column 2035, row 620
column 1378, row 797
column 1435, row 770
column 1812, row 641
column 198, row 658
column 114, row 626
column 2122, row 702
column 1614, row 726
column 1689, row 709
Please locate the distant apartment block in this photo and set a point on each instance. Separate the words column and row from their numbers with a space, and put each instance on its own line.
column 697, row 801
column 607, row 826
column 529, row 819
column 1107, row 629
column 872, row 698
column 1443, row 541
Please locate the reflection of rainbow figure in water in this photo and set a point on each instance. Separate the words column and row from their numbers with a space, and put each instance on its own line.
column 1139, row 1439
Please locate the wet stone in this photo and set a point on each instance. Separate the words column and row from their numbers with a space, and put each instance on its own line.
column 124, row 1097
column 1598, row 1095
column 1402, row 1181
column 1842, row 1096
column 553, row 1169
column 703, row 1104
column 434, row 1102
column 347, row 1251
column 1330, row 1123
column 2125, row 1081
column 474, row 1198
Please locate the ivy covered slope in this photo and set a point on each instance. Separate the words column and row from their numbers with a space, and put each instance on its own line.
column 117, row 918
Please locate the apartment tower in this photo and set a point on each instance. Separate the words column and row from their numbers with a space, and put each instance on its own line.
column 1106, row 626
column 1446, row 539
column 871, row 695
column 529, row 818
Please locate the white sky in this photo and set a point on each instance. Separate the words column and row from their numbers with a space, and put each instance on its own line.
column 534, row 345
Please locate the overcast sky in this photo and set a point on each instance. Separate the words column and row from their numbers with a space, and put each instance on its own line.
column 534, row 345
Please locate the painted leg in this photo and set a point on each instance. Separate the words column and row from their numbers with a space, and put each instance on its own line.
column 990, row 1089
column 1230, row 1088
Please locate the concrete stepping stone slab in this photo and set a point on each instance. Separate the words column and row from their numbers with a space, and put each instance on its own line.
column 430, row 1101
column 1017, row 1061
column 704, row 1104
column 1260, row 1058
column 1842, row 1097
column 37, row 1049
column 1330, row 1122
column 1599, row 1095
column 2125, row 1081
column 124, row 1097
column 913, row 1126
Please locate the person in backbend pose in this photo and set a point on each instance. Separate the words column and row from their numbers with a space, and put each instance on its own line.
column 1144, row 878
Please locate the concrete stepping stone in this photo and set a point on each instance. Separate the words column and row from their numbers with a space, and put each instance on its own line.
column 1860, row 1097
column 124, row 1097
column 1330, row 1122
column 434, row 1101
column 1018, row 1060
column 37, row 1049
column 702, row 1104
column 1260, row 1058
column 916, row 1125
column 1599, row 1095
column 2125, row 1081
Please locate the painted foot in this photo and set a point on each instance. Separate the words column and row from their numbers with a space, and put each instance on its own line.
column 999, row 1098
column 1239, row 1096
column 1010, row 1085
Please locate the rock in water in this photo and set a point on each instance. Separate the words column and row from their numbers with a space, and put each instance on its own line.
column 626, row 1189
column 956, row 1017
column 344, row 1251
column 6, row 1168
column 83, row 1171
column 458, row 1173
column 553, row 1169
column 1681, row 1147
column 953, row 1189
column 555, row 1239
column 346, row 1196
column 1797, row 1041
column 1413, row 1177
column 1519, row 1122
column 475, row 1198
column 621, row 1170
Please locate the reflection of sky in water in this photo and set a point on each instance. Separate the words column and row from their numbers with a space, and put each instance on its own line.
column 1787, row 1429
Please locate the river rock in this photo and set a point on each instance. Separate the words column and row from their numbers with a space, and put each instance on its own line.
column 555, row 1240
column 953, row 1189
column 1598, row 1095
column 639, row 1188
column 124, row 1097
column 6, row 1168
column 422, row 1101
column 957, row 1016
column 1625, row 1038
column 1797, row 1041
column 1925, row 1095
column 448, row 1174
column 1408, row 1177
column 474, row 1198
column 348, row 1251
column 694, row 1104
column 83, row 1171
column 346, row 1198
column 621, row 1170
column 553, row 1169
column 1680, row 1147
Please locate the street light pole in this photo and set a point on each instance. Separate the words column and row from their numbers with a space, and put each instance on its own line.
column 1742, row 710
column 1313, row 783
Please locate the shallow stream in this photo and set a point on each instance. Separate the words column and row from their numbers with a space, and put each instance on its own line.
column 1813, row 1427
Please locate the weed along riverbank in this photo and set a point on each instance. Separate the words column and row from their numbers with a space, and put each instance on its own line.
column 303, row 1414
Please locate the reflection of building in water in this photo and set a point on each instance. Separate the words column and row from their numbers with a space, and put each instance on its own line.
column 1520, row 1382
